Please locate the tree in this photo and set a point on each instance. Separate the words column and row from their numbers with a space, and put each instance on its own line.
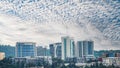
column 7, row 63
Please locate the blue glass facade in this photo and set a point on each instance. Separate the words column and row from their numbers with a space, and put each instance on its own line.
column 65, row 44
column 68, row 47
column 80, row 49
column 55, row 50
column 25, row 49
column 85, row 49
column 72, row 46
column 58, row 51
column 90, row 47
column 52, row 49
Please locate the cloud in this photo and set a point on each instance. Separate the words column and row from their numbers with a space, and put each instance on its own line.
column 45, row 22
column 15, row 30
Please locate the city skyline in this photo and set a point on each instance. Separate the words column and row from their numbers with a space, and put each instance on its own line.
column 46, row 22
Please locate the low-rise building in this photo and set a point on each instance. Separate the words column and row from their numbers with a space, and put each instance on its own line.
column 111, row 61
column 2, row 55
column 35, row 60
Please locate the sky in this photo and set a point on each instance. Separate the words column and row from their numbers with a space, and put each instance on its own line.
column 46, row 22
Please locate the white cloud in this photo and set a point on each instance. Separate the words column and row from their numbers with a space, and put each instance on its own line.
column 45, row 22
column 13, row 29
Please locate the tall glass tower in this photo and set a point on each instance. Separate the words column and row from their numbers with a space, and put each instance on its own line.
column 68, row 47
column 85, row 49
column 26, row 49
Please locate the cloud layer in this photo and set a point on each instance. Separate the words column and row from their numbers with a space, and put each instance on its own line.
column 45, row 22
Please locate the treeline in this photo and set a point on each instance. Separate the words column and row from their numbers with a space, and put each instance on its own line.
column 8, row 50
column 7, row 63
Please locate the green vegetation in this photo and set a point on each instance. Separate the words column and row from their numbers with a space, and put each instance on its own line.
column 57, row 63
column 7, row 63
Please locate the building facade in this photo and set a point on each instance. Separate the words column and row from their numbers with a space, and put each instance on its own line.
column 43, row 51
column 40, row 51
column 68, row 47
column 85, row 49
column 2, row 55
column 46, row 52
column 55, row 50
column 26, row 49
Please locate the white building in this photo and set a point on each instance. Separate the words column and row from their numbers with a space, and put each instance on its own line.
column 111, row 60
column 68, row 47
column 85, row 49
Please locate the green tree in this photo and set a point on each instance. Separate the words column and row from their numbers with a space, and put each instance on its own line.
column 7, row 63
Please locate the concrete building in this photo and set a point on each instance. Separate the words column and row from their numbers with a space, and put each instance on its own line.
column 68, row 47
column 55, row 50
column 2, row 55
column 26, row 49
column 85, row 49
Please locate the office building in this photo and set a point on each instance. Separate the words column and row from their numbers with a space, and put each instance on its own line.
column 26, row 49
column 68, row 47
column 40, row 51
column 46, row 52
column 2, row 55
column 55, row 50
column 85, row 49
column 43, row 51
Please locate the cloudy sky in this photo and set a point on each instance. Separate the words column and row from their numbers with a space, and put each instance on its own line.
column 45, row 22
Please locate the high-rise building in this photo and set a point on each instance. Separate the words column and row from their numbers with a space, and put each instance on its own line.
column 2, row 55
column 55, row 50
column 26, row 49
column 46, row 52
column 43, row 51
column 68, row 47
column 85, row 49
column 40, row 51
